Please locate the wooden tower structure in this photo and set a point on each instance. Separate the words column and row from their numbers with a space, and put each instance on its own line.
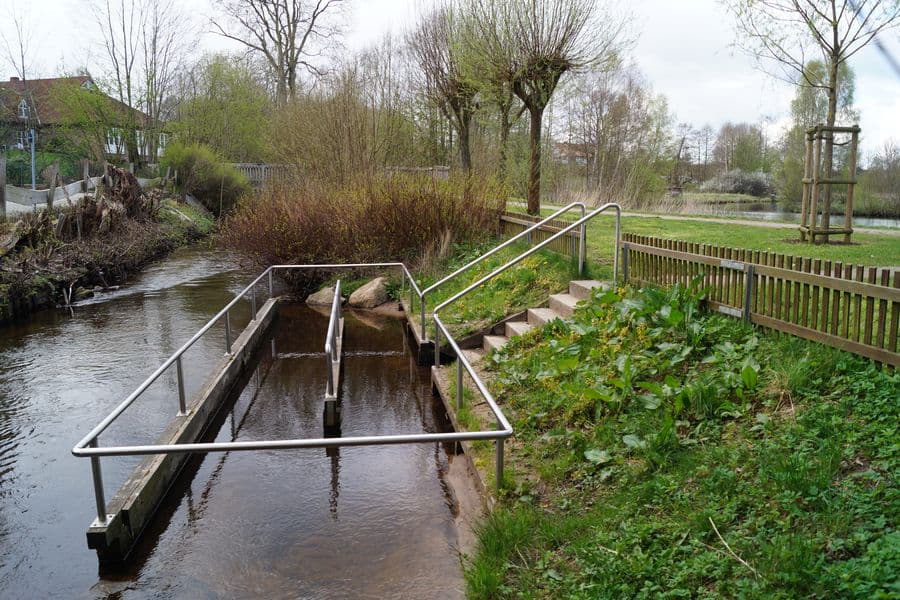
column 819, row 182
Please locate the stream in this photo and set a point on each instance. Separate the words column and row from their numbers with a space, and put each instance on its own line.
column 363, row 522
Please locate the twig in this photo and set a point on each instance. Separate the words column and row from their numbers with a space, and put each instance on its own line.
column 727, row 547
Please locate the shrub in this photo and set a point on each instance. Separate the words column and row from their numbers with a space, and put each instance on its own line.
column 737, row 181
column 384, row 219
column 203, row 174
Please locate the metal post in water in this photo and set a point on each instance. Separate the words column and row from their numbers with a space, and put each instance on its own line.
column 182, row 405
column 499, row 473
column 437, row 345
column 422, row 303
column 271, row 283
column 459, row 384
column 253, row 304
column 227, row 332
column 98, row 485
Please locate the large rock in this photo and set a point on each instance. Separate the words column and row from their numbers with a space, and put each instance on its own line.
column 371, row 294
column 323, row 297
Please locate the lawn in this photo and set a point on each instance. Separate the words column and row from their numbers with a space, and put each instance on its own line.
column 866, row 249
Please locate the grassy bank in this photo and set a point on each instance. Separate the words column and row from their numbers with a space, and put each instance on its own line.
column 866, row 249
column 664, row 452
column 44, row 263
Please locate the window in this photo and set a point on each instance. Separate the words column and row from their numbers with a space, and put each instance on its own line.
column 24, row 110
column 22, row 139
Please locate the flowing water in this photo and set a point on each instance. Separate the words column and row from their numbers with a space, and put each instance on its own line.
column 359, row 522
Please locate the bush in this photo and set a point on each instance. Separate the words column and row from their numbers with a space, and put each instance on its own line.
column 385, row 219
column 203, row 174
column 737, row 181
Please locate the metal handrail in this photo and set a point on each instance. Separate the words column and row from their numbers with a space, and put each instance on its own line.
column 526, row 233
column 439, row 326
column 89, row 445
column 331, row 337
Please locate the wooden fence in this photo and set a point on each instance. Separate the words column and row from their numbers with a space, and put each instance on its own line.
column 851, row 307
column 512, row 223
column 259, row 174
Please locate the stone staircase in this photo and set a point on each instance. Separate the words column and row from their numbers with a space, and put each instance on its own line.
column 561, row 307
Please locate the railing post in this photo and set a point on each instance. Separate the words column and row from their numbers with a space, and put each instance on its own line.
column 98, row 485
column 182, row 405
column 749, row 285
column 271, row 283
column 625, row 262
column 459, row 384
column 437, row 345
column 422, row 303
column 227, row 332
column 618, row 242
column 582, row 244
column 499, row 465
column 253, row 304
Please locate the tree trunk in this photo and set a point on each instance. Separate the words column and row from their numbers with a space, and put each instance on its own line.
column 505, row 126
column 534, row 175
column 828, row 163
column 465, row 153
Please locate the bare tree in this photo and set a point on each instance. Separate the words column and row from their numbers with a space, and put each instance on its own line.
column 435, row 45
column 783, row 33
column 17, row 48
column 165, row 38
column 288, row 33
column 534, row 44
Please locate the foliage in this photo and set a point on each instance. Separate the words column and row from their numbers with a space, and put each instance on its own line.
column 664, row 454
column 202, row 173
column 379, row 219
column 226, row 107
column 737, row 181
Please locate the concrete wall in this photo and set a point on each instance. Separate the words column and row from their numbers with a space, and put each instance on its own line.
column 134, row 505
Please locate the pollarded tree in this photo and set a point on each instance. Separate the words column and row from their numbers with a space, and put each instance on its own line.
column 534, row 44
column 784, row 33
column 435, row 44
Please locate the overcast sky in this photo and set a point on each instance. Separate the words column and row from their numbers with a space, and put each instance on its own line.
column 684, row 50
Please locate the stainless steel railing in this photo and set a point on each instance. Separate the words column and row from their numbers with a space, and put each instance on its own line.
column 89, row 446
column 523, row 234
column 439, row 326
column 331, row 339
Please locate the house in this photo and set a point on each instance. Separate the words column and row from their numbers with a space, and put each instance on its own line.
column 45, row 105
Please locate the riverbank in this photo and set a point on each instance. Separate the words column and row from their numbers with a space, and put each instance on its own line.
column 42, row 267
column 659, row 448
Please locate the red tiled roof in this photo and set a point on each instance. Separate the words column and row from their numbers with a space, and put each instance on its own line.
column 40, row 96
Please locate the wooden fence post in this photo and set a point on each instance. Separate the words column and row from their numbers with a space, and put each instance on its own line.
column 2, row 186
column 85, row 175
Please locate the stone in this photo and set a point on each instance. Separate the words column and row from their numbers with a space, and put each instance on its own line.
column 371, row 294
column 323, row 297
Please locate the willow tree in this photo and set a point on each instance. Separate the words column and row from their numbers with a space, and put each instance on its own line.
column 435, row 45
column 785, row 35
column 533, row 44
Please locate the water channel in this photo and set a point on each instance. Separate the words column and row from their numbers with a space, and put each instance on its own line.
column 363, row 522
column 777, row 211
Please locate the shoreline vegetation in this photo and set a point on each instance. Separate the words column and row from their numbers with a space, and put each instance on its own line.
column 660, row 449
column 52, row 257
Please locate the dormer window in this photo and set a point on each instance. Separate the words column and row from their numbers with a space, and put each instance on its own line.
column 24, row 110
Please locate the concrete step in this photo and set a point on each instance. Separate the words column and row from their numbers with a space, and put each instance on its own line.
column 538, row 317
column 582, row 289
column 514, row 328
column 494, row 342
column 564, row 304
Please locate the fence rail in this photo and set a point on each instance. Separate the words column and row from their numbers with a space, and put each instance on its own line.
column 262, row 173
column 512, row 223
column 851, row 307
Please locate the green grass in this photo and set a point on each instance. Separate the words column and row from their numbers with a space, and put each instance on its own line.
column 666, row 452
column 866, row 249
column 523, row 286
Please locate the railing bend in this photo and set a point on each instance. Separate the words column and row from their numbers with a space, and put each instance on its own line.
column 580, row 223
column 331, row 338
column 526, row 233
